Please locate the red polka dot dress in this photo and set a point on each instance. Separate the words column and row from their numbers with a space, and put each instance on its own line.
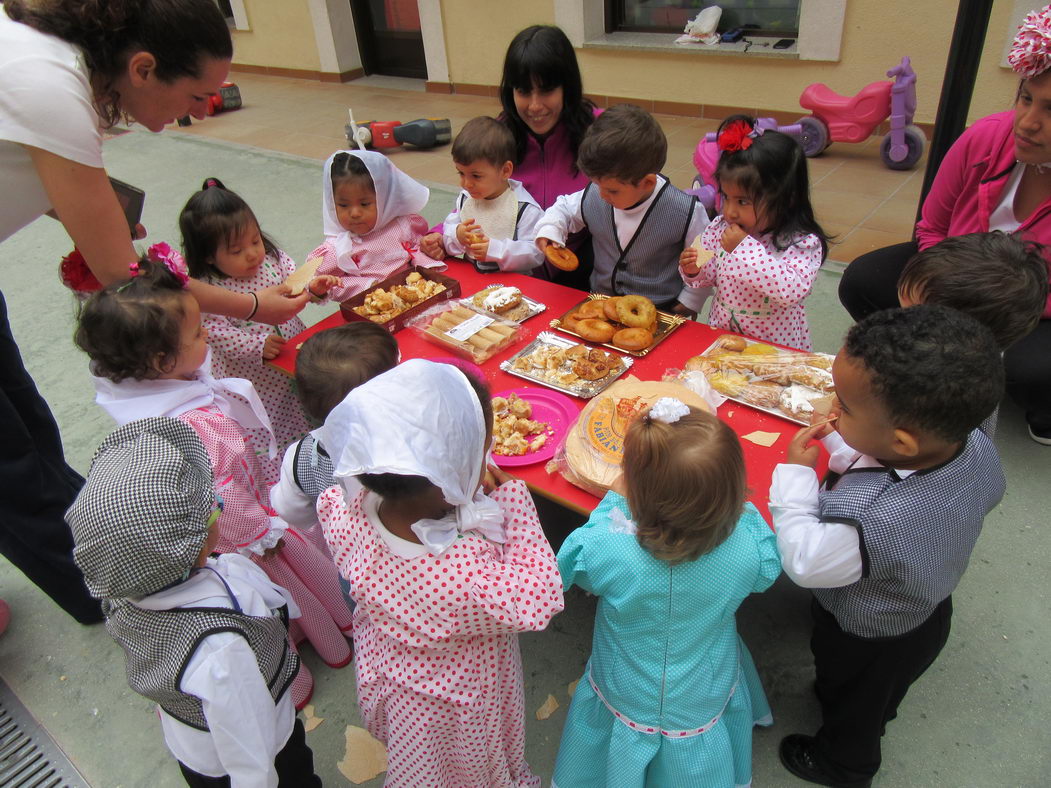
column 438, row 667
column 376, row 255
column 237, row 352
column 759, row 290
column 249, row 526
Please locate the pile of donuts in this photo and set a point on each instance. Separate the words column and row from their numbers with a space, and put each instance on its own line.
column 515, row 432
column 788, row 382
column 381, row 305
column 628, row 322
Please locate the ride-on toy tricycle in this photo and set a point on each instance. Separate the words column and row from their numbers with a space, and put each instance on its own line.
column 839, row 118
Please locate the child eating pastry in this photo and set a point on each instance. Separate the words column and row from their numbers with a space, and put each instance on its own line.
column 373, row 229
column 885, row 541
column 494, row 222
column 639, row 222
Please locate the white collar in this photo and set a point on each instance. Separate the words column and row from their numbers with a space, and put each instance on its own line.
column 402, row 548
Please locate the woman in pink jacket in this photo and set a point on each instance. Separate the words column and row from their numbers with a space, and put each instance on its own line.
column 545, row 108
column 996, row 176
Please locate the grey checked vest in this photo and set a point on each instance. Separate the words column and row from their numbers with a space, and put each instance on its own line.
column 159, row 643
column 649, row 266
column 312, row 467
column 916, row 535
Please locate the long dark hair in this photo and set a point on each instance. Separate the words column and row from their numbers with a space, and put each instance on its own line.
column 772, row 171
column 211, row 217
column 178, row 33
column 541, row 55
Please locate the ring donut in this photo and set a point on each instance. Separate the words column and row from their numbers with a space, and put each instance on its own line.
column 633, row 338
column 594, row 330
column 636, row 311
column 609, row 308
column 591, row 308
column 561, row 258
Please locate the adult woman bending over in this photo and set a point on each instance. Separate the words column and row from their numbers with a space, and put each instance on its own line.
column 996, row 176
column 68, row 70
column 545, row 108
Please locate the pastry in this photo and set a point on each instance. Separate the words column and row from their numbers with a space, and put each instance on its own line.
column 636, row 311
column 560, row 257
column 633, row 338
column 594, row 330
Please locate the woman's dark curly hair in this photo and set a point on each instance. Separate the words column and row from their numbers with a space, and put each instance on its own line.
column 772, row 171
column 178, row 33
column 214, row 217
column 542, row 56
column 132, row 329
column 398, row 487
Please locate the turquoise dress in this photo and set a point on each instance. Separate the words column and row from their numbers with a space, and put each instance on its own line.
column 670, row 694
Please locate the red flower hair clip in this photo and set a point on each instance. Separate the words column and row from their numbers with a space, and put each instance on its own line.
column 739, row 135
column 76, row 275
column 173, row 261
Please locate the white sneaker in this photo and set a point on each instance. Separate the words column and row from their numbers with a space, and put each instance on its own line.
column 1043, row 437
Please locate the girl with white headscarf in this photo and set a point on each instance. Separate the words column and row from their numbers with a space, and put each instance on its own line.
column 370, row 211
column 443, row 576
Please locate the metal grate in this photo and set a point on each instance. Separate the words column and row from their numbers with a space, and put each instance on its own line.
column 29, row 757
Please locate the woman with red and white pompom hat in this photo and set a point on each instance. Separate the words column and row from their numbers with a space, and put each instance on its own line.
column 996, row 176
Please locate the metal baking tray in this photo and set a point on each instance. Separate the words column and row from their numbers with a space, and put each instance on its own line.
column 535, row 307
column 772, row 411
column 585, row 389
column 666, row 323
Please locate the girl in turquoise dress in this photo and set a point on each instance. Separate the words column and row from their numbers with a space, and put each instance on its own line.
column 670, row 694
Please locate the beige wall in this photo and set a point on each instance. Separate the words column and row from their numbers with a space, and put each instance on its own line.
column 875, row 36
column 281, row 35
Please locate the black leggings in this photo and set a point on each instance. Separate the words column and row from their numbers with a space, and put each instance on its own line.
column 870, row 283
column 294, row 765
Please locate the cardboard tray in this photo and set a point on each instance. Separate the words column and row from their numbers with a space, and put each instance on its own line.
column 666, row 323
column 398, row 322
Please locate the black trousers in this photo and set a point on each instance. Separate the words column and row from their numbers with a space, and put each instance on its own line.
column 295, row 766
column 870, row 283
column 36, row 488
column 860, row 683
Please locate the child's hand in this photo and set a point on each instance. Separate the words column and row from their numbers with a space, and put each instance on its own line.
column 543, row 243
column 465, row 231
column 494, row 477
column 685, row 311
column 732, row 236
column 823, row 422
column 320, row 285
column 800, row 450
column 432, row 246
column 272, row 346
column 688, row 261
column 478, row 248
column 270, row 552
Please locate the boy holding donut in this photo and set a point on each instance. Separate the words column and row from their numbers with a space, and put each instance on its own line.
column 494, row 220
column 638, row 221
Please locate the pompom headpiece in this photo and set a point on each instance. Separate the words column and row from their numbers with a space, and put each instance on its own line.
column 739, row 135
column 1030, row 54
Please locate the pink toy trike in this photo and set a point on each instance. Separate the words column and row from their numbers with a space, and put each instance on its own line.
column 839, row 118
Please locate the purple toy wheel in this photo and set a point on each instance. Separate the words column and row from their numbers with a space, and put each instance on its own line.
column 915, row 142
column 814, row 136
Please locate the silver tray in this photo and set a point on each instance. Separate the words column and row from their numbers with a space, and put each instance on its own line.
column 535, row 307
column 585, row 389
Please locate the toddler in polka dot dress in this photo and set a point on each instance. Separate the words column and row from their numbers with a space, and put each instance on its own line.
column 671, row 552
column 150, row 357
column 370, row 211
column 763, row 252
column 444, row 576
column 224, row 246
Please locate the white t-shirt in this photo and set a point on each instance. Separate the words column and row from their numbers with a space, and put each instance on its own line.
column 45, row 102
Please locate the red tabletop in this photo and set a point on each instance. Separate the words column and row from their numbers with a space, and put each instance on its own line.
column 688, row 340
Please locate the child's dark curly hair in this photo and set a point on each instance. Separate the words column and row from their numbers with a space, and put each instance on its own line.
column 933, row 368
column 132, row 329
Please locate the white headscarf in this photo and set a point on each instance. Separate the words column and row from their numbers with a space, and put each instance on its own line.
column 421, row 418
column 396, row 195
column 139, row 399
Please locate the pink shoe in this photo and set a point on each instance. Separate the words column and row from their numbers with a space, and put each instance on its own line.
column 5, row 616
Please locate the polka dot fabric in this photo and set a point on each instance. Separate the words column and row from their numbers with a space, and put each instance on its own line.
column 670, row 689
column 438, row 667
column 237, row 352
column 759, row 286
column 247, row 521
column 376, row 256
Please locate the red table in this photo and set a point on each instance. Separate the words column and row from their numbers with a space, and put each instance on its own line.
column 688, row 340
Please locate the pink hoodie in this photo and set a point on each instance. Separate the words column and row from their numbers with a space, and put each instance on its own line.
column 969, row 183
